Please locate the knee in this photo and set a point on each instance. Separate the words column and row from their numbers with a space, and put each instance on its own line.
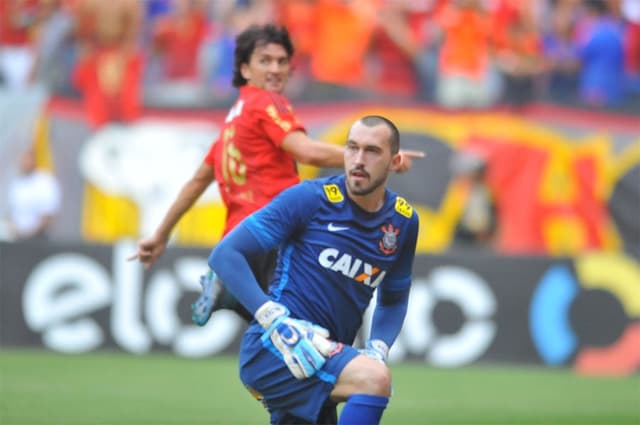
column 362, row 376
column 376, row 380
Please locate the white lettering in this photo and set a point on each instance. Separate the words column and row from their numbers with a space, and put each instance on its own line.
column 355, row 268
column 350, row 267
column 327, row 257
column 472, row 294
column 342, row 265
column 60, row 290
column 64, row 288
column 128, row 331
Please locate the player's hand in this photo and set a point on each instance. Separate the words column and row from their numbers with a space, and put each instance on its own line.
column 376, row 349
column 406, row 159
column 302, row 345
column 149, row 250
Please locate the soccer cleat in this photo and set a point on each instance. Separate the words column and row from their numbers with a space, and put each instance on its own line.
column 204, row 306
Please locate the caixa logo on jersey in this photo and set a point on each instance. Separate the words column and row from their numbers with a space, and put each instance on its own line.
column 65, row 295
column 352, row 267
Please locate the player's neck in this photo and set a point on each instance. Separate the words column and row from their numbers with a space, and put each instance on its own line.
column 371, row 202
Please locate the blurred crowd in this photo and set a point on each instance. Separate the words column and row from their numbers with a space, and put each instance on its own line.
column 118, row 55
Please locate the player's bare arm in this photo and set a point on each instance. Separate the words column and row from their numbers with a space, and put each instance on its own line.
column 151, row 248
column 320, row 154
column 308, row 151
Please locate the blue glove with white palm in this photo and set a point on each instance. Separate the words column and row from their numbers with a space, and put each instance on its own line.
column 302, row 345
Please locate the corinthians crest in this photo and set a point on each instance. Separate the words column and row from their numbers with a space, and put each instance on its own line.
column 389, row 242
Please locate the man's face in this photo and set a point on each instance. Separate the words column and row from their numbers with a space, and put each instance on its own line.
column 268, row 67
column 368, row 158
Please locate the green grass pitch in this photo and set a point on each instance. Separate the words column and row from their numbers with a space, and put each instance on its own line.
column 115, row 388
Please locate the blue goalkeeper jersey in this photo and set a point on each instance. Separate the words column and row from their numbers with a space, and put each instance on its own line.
column 333, row 254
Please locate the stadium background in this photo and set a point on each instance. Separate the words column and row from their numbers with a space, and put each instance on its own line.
column 557, row 290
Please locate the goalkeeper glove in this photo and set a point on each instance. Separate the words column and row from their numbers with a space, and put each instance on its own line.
column 376, row 349
column 302, row 345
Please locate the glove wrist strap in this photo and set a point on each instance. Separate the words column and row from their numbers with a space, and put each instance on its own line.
column 380, row 346
column 268, row 312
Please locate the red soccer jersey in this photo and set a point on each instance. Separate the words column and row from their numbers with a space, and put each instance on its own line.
column 250, row 166
column 110, row 82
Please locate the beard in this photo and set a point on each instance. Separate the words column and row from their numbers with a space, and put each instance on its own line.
column 364, row 187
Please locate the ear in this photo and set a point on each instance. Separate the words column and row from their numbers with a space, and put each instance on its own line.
column 396, row 162
column 245, row 71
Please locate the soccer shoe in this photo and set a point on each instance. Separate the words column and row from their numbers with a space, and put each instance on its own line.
column 204, row 306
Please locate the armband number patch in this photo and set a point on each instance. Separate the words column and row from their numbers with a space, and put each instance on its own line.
column 403, row 207
column 333, row 193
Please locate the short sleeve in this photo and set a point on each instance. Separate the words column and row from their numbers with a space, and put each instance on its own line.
column 277, row 118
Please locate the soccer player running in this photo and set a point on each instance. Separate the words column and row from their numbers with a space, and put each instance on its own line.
column 254, row 157
column 340, row 238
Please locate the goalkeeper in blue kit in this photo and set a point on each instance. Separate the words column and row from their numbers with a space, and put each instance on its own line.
column 339, row 239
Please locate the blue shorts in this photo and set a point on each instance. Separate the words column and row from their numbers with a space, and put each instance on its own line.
column 267, row 377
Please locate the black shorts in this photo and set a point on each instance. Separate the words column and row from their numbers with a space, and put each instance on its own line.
column 263, row 267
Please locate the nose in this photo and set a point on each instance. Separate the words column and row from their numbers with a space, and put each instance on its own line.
column 359, row 156
column 274, row 66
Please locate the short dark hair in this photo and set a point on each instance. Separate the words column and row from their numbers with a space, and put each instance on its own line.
column 394, row 139
column 252, row 37
column 599, row 7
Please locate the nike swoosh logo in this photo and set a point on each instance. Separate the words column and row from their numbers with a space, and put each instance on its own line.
column 333, row 228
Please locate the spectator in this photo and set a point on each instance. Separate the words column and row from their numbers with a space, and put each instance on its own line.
column 518, row 51
column 177, row 40
column 53, row 46
column 109, row 71
column 16, row 54
column 342, row 35
column 561, row 53
column 154, row 11
column 600, row 43
column 299, row 17
column 178, row 36
column 464, row 71
column 631, row 12
column 478, row 221
column 394, row 47
column 426, row 58
column 34, row 200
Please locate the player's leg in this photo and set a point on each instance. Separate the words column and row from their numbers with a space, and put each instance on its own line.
column 214, row 295
column 365, row 384
column 288, row 399
column 328, row 416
